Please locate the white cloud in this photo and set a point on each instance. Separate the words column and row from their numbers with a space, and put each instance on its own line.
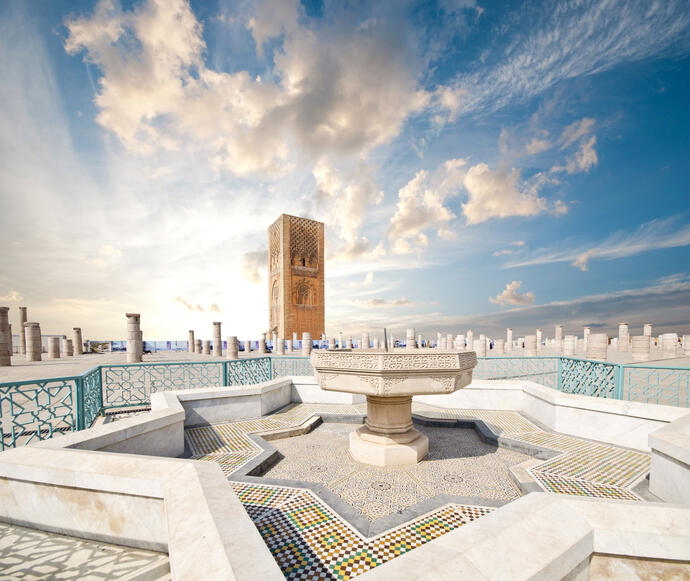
column 335, row 88
column 421, row 206
column 563, row 41
column 511, row 296
column 12, row 296
column 342, row 202
column 254, row 265
column 378, row 302
column 575, row 131
column 519, row 244
column 653, row 235
column 369, row 278
column 584, row 159
column 537, row 146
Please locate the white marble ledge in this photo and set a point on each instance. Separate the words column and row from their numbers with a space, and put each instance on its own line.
column 673, row 440
column 647, row 411
column 230, row 390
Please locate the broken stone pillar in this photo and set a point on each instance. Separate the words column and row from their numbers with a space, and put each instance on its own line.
column 669, row 342
column 206, row 347
column 647, row 329
column 190, row 341
column 247, row 347
column 22, row 334
column 539, row 339
column 68, row 347
column 53, row 347
column 531, row 346
column 509, row 339
column 341, row 344
column 410, row 342
column 461, row 342
column 470, row 339
column 5, row 337
column 262, row 344
column 499, row 346
column 585, row 337
column 197, row 346
column 480, row 348
column 558, row 334
column 331, row 343
column 34, row 347
column 217, row 340
column 597, row 346
column 78, row 341
column 306, row 344
column 640, row 348
column 348, row 343
column 134, row 342
column 233, row 347
column 280, row 346
column 443, row 345
column 449, row 341
column 365, row 341
column 569, row 345
column 623, row 337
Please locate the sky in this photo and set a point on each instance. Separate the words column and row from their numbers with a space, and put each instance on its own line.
column 477, row 164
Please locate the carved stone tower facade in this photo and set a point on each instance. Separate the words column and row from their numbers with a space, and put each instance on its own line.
column 296, row 277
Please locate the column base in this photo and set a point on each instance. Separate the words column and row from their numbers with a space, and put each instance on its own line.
column 369, row 447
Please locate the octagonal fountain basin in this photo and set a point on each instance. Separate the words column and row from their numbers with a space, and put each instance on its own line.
column 389, row 379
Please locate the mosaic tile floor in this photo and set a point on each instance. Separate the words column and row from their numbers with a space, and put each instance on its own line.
column 459, row 464
column 311, row 541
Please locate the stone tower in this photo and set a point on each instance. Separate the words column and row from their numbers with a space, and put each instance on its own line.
column 296, row 277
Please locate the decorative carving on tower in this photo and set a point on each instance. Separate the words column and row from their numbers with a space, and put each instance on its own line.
column 296, row 276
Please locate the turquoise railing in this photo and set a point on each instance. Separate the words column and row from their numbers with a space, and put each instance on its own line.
column 38, row 409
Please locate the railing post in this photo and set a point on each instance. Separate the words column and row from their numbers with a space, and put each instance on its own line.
column 270, row 368
column 224, row 370
column 620, row 378
column 560, row 374
column 79, row 403
column 101, row 407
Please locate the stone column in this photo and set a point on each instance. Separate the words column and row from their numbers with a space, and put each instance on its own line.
column 480, row 348
column 461, row 342
column 623, row 336
column 449, row 341
column 647, row 330
column 262, row 344
column 280, row 346
column 206, row 347
column 22, row 334
column 669, row 342
column 438, row 339
column 569, row 345
column 443, row 345
column 585, row 337
column 410, row 342
column 348, row 343
column 289, row 345
column 365, row 341
column 197, row 346
column 306, row 344
column 10, row 346
column 341, row 345
column 217, row 340
column 294, row 338
column 686, row 344
column 539, row 339
column 247, row 347
column 470, row 339
column 5, row 337
column 509, row 339
column 78, row 341
column 500, row 346
column 69, row 348
column 558, row 334
column 233, row 347
column 34, row 347
column 331, row 343
column 640, row 348
column 134, row 342
column 190, row 341
column 531, row 346
column 597, row 346
column 419, row 340
column 53, row 347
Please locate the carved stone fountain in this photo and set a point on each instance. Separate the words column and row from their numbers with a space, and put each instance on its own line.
column 389, row 379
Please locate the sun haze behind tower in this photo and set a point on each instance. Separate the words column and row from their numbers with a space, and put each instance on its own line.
column 296, row 277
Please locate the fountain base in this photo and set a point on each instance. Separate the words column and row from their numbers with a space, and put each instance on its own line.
column 377, row 449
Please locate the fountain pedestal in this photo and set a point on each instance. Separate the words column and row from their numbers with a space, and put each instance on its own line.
column 389, row 380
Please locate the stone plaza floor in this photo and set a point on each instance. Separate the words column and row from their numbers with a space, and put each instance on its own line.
column 310, row 539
